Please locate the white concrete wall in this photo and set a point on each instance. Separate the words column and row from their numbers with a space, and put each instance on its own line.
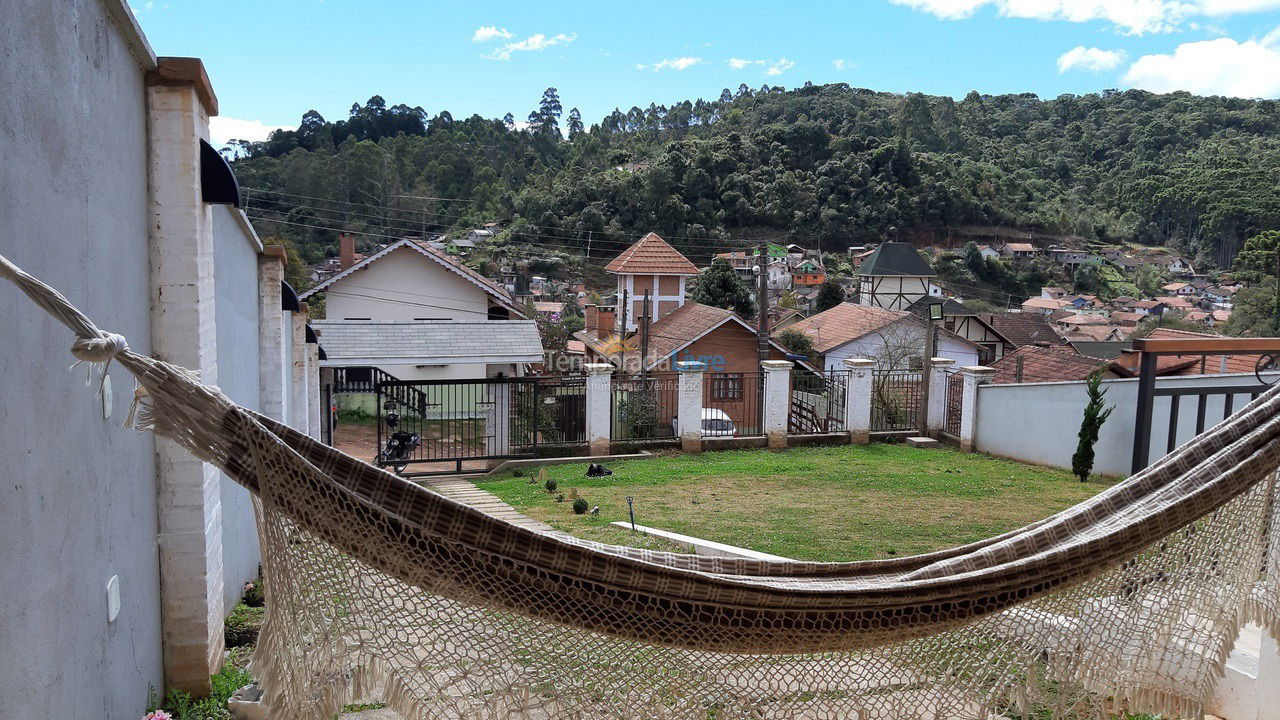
column 1038, row 422
column 405, row 285
column 235, row 260
column 78, row 497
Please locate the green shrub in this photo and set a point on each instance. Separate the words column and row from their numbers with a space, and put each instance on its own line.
column 254, row 594
column 580, row 506
column 182, row 706
column 551, row 485
column 242, row 625
column 517, row 472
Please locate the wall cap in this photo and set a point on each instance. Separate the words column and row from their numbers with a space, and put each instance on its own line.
column 776, row 365
column 980, row 370
column 276, row 252
column 598, row 368
column 858, row 363
column 941, row 362
column 691, row 366
column 184, row 72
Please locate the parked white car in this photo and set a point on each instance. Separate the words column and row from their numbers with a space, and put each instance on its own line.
column 717, row 423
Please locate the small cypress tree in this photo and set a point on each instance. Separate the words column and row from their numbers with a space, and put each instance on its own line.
column 1094, row 416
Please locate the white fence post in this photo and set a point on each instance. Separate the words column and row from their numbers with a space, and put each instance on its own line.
column 599, row 388
column 857, row 402
column 689, row 411
column 974, row 375
column 937, row 410
column 777, row 401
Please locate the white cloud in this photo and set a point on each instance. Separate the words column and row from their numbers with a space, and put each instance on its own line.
column 1094, row 59
column 1134, row 17
column 1212, row 67
column 676, row 63
column 842, row 64
column 224, row 129
column 533, row 43
column 739, row 63
column 491, row 32
column 779, row 67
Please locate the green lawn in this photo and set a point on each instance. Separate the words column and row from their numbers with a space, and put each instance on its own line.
column 850, row 502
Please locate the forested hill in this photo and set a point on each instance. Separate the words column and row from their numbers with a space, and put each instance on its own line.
column 823, row 165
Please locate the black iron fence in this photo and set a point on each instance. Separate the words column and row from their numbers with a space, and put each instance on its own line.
column 644, row 407
column 446, row 426
column 732, row 404
column 954, row 389
column 896, row 396
column 818, row 401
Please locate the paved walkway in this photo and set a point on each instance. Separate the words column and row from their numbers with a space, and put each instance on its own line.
column 462, row 490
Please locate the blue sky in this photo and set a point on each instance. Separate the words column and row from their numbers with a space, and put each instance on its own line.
column 271, row 61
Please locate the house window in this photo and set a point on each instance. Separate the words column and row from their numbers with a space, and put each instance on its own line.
column 727, row 387
column 916, row 362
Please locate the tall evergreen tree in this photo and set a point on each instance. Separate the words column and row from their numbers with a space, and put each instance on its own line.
column 575, row 123
column 1094, row 416
column 829, row 295
column 721, row 287
column 548, row 112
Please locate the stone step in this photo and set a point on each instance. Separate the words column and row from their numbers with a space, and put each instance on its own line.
column 923, row 442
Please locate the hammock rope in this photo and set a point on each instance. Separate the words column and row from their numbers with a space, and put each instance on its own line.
column 1129, row 600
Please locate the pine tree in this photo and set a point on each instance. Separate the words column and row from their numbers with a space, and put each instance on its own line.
column 575, row 123
column 1094, row 416
column 721, row 287
column 829, row 296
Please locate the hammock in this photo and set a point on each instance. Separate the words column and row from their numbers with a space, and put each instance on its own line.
column 1129, row 601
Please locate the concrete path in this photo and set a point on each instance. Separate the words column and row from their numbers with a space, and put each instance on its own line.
column 462, row 490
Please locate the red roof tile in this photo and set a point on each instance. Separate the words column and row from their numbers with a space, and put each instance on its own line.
column 651, row 255
column 1044, row 364
column 845, row 322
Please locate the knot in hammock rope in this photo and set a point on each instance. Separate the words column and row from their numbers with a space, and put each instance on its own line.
column 99, row 349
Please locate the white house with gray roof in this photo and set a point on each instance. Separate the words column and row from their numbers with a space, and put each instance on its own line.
column 418, row 314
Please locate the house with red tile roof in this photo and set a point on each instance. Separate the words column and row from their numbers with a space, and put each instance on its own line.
column 650, row 266
column 1033, row 363
column 894, row 338
column 1022, row 328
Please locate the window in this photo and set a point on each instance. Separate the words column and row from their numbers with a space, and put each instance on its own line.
column 916, row 362
column 727, row 387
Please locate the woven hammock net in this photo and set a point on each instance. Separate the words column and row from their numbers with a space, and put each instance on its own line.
column 378, row 588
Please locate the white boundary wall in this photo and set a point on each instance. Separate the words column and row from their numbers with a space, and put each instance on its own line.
column 1038, row 422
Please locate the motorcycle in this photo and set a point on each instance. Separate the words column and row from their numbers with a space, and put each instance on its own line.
column 400, row 445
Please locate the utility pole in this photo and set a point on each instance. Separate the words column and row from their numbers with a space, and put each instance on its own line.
column 762, row 303
column 622, row 332
column 926, row 371
column 644, row 340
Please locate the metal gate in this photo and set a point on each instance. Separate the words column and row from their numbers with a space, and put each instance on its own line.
column 443, row 427
column 954, row 387
column 818, row 402
column 895, row 400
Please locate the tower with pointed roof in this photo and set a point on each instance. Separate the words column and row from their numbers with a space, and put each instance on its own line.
column 651, row 265
column 894, row 276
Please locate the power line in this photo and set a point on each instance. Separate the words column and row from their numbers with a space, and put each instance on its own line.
column 793, row 236
column 255, row 216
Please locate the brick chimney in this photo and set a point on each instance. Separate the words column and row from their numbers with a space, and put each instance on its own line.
column 606, row 318
column 346, row 250
column 598, row 320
